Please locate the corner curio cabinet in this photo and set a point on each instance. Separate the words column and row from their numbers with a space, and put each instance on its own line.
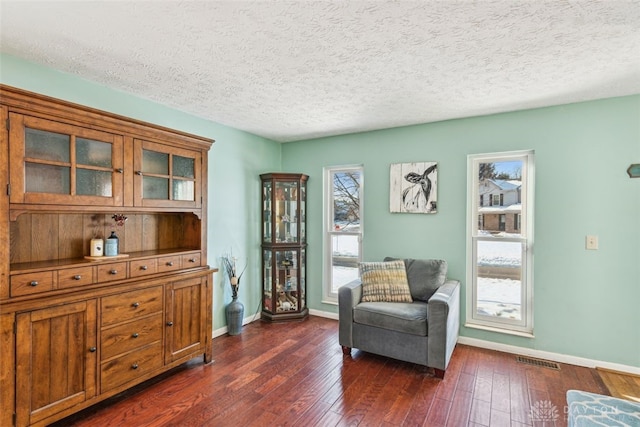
column 284, row 243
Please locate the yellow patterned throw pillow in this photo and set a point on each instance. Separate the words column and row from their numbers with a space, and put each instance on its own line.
column 384, row 281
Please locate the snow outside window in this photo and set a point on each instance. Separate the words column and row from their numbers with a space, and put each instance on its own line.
column 343, row 188
column 500, row 242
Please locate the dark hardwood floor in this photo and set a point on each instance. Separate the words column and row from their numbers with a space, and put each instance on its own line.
column 294, row 374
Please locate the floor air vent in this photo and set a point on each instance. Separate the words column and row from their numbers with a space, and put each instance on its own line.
column 538, row 362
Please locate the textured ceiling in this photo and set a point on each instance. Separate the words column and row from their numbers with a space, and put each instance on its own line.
column 292, row 70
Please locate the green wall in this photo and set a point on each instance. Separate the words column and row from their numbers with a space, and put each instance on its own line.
column 235, row 161
column 586, row 303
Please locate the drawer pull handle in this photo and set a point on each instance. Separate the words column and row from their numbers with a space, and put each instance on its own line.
column 139, row 173
column 114, row 272
column 134, row 366
column 135, row 335
column 120, row 170
column 192, row 260
column 143, row 267
column 92, row 349
column 170, row 264
column 136, row 304
column 77, row 277
column 169, row 323
column 34, row 283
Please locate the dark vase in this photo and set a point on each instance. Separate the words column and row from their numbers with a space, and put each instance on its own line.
column 235, row 314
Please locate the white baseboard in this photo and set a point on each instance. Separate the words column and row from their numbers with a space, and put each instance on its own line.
column 556, row 357
column 324, row 314
column 221, row 331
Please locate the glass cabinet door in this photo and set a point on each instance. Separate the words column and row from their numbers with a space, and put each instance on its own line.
column 281, row 290
column 303, row 212
column 64, row 164
column 303, row 276
column 267, row 275
column 166, row 176
column 266, row 212
column 286, row 212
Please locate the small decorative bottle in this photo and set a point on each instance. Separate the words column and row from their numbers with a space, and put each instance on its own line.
column 97, row 246
column 111, row 245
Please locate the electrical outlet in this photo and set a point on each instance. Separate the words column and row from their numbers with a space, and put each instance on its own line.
column 592, row 242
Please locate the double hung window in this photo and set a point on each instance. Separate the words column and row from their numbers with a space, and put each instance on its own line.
column 500, row 242
column 343, row 188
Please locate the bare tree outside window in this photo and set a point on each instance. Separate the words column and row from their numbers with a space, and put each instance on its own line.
column 346, row 199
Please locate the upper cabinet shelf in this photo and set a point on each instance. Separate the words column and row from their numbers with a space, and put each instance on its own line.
column 62, row 164
column 64, row 155
column 166, row 176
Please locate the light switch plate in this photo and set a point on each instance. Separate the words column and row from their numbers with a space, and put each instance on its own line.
column 592, row 242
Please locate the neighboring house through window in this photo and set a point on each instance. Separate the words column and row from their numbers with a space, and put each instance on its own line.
column 500, row 242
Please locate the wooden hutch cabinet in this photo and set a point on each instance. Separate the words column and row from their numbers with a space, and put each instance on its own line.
column 284, row 244
column 77, row 330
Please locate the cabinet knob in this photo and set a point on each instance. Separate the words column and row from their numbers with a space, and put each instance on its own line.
column 192, row 260
column 77, row 277
column 114, row 272
column 169, row 323
column 143, row 267
column 92, row 349
column 34, row 283
column 170, row 264
column 136, row 304
column 120, row 170
column 134, row 366
column 139, row 173
column 135, row 335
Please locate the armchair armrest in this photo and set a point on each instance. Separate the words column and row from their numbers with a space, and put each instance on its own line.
column 443, row 317
column 349, row 296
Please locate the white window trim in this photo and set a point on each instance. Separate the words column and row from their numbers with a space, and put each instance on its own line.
column 329, row 297
column 525, row 326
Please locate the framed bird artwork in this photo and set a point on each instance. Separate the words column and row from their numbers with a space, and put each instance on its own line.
column 413, row 187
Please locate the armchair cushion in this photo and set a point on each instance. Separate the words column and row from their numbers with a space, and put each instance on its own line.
column 425, row 276
column 384, row 281
column 410, row 318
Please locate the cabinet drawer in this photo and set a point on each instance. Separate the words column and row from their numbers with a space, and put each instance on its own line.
column 110, row 272
column 142, row 267
column 191, row 260
column 131, row 305
column 75, row 277
column 130, row 366
column 129, row 336
column 169, row 263
column 31, row 283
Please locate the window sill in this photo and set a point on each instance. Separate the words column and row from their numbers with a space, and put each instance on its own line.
column 499, row 330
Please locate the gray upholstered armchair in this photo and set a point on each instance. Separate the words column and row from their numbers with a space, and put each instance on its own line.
column 424, row 331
